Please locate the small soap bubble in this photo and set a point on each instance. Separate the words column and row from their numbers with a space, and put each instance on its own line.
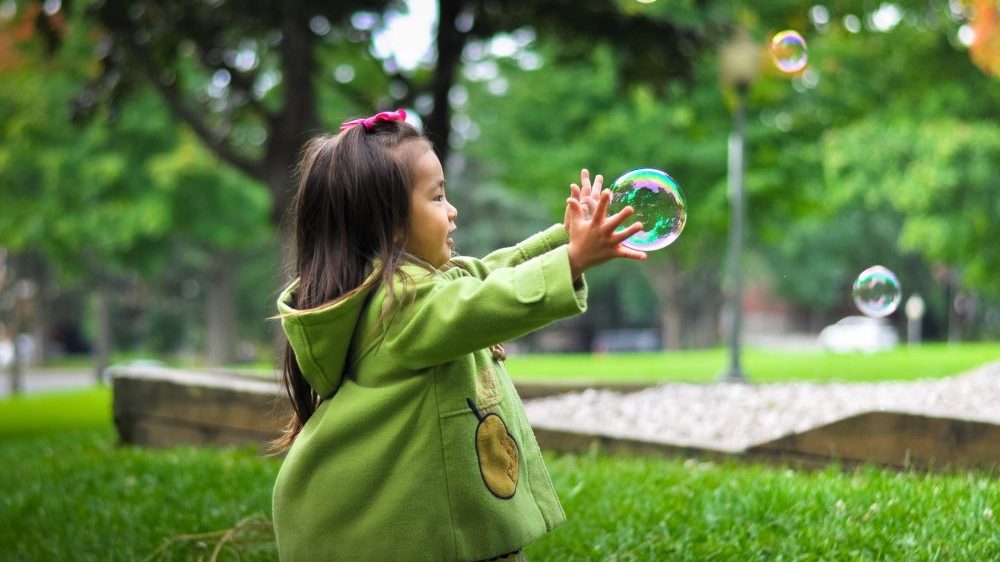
column 876, row 292
column 658, row 203
column 788, row 49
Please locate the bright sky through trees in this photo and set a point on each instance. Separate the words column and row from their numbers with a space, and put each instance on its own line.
column 407, row 36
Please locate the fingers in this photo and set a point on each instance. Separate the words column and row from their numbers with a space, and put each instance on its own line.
column 574, row 191
column 585, row 182
column 596, row 190
column 573, row 208
column 602, row 206
column 625, row 234
column 629, row 253
column 617, row 219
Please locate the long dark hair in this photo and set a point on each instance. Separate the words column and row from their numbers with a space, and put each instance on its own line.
column 352, row 207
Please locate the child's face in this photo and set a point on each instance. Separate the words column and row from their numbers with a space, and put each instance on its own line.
column 432, row 218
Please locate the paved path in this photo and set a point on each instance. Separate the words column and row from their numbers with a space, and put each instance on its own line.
column 49, row 380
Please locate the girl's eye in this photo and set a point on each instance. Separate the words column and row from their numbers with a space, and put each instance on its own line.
column 439, row 198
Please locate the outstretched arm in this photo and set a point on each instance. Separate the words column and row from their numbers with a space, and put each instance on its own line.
column 533, row 246
column 453, row 314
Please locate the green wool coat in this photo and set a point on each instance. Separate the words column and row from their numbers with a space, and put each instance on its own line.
column 420, row 449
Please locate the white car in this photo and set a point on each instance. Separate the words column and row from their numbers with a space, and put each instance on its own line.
column 859, row 333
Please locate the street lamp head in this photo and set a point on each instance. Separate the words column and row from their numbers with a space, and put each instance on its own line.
column 739, row 60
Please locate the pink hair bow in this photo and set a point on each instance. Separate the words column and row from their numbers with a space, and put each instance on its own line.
column 369, row 122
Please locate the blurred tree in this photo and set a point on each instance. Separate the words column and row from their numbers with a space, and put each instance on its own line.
column 253, row 80
column 532, row 91
column 814, row 234
column 106, row 200
column 828, row 164
column 245, row 79
column 220, row 218
column 941, row 176
column 537, row 135
column 50, row 172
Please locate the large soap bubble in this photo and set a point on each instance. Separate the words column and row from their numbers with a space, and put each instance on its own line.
column 659, row 205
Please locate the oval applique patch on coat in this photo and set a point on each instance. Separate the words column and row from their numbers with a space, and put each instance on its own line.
column 498, row 454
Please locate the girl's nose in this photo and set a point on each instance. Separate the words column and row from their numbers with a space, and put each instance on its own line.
column 452, row 212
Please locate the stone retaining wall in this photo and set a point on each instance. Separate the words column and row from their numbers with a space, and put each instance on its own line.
column 160, row 407
column 895, row 439
column 165, row 407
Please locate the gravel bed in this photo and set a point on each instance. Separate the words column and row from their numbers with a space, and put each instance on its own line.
column 732, row 417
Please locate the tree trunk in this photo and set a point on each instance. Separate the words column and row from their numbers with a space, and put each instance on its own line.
column 704, row 307
column 42, row 311
column 450, row 42
column 667, row 282
column 25, row 313
column 291, row 127
column 220, row 313
column 286, row 253
column 16, row 365
column 40, row 328
column 954, row 326
column 102, row 343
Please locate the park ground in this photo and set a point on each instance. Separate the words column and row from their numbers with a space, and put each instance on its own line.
column 68, row 490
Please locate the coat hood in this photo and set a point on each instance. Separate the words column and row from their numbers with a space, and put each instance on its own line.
column 321, row 337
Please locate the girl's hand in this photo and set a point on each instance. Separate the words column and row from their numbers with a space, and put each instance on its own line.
column 588, row 195
column 593, row 240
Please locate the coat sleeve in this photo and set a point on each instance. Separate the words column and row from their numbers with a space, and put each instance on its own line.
column 534, row 246
column 451, row 316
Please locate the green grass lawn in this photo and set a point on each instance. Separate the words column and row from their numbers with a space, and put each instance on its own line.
column 903, row 363
column 71, row 493
column 931, row 360
column 55, row 411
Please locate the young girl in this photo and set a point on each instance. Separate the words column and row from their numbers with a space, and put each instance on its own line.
column 408, row 440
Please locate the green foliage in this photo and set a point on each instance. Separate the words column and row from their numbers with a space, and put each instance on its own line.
column 940, row 176
column 491, row 217
column 81, row 195
column 834, row 182
column 125, row 198
column 536, row 139
column 212, row 205
column 111, row 194
column 817, row 261
column 833, row 150
column 553, row 121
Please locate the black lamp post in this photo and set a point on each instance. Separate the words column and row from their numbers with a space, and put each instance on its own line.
column 739, row 65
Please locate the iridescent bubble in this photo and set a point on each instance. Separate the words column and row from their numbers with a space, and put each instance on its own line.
column 876, row 292
column 788, row 49
column 659, row 205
